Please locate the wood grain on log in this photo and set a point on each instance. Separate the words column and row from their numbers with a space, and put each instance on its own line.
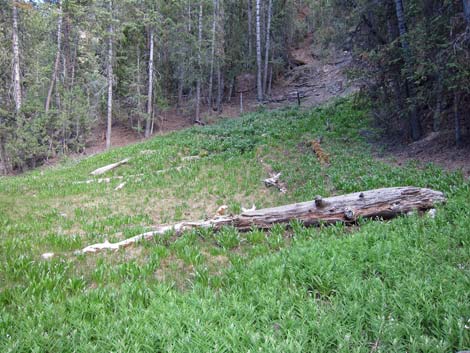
column 382, row 203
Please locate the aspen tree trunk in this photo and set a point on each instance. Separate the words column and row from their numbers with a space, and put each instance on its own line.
column 57, row 59
column 139, row 106
column 148, row 121
column 110, row 77
column 268, row 36
column 415, row 126
column 250, row 28
column 258, row 52
column 189, row 16
column 220, row 54
column 211, row 75
column 16, row 61
column 199, row 64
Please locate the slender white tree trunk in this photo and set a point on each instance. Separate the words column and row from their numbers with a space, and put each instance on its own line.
column 110, row 78
column 211, row 75
column 199, row 64
column 258, row 52
column 57, row 59
column 150, row 88
column 268, row 37
column 16, row 61
column 139, row 106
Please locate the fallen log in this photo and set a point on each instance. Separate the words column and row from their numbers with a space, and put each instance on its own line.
column 108, row 167
column 382, row 203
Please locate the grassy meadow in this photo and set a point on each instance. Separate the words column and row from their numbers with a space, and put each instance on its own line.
column 397, row 286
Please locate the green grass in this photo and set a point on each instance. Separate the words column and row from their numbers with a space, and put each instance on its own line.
column 396, row 286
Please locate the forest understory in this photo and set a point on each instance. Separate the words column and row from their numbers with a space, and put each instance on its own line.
column 86, row 77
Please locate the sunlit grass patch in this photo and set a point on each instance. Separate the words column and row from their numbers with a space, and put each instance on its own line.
column 391, row 286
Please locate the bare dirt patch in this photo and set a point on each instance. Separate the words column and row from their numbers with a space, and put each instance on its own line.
column 436, row 148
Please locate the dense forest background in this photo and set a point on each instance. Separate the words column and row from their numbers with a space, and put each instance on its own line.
column 71, row 66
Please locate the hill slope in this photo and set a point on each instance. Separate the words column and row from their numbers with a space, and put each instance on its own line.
column 384, row 286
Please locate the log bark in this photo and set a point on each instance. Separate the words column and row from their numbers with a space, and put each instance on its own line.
column 382, row 203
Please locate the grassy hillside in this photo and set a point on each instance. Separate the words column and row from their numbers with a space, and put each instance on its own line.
column 395, row 286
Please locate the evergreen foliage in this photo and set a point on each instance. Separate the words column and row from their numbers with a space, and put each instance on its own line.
column 78, row 84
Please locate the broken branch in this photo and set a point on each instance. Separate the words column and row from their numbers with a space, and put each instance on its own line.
column 108, row 167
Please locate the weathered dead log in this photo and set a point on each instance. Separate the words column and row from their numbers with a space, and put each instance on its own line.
column 383, row 203
column 108, row 167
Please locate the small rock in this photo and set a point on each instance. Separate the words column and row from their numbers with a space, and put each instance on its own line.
column 432, row 213
column 47, row 255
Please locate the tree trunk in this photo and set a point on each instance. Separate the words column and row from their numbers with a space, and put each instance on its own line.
column 436, row 123
column 267, row 49
column 139, row 97
column 16, row 61
column 466, row 11
column 270, row 83
column 415, row 125
column 4, row 163
column 211, row 74
column 150, row 88
column 220, row 88
column 258, row 53
column 180, row 86
column 199, row 64
column 250, row 29
column 383, row 203
column 457, row 127
column 57, row 59
column 110, row 77
column 230, row 90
